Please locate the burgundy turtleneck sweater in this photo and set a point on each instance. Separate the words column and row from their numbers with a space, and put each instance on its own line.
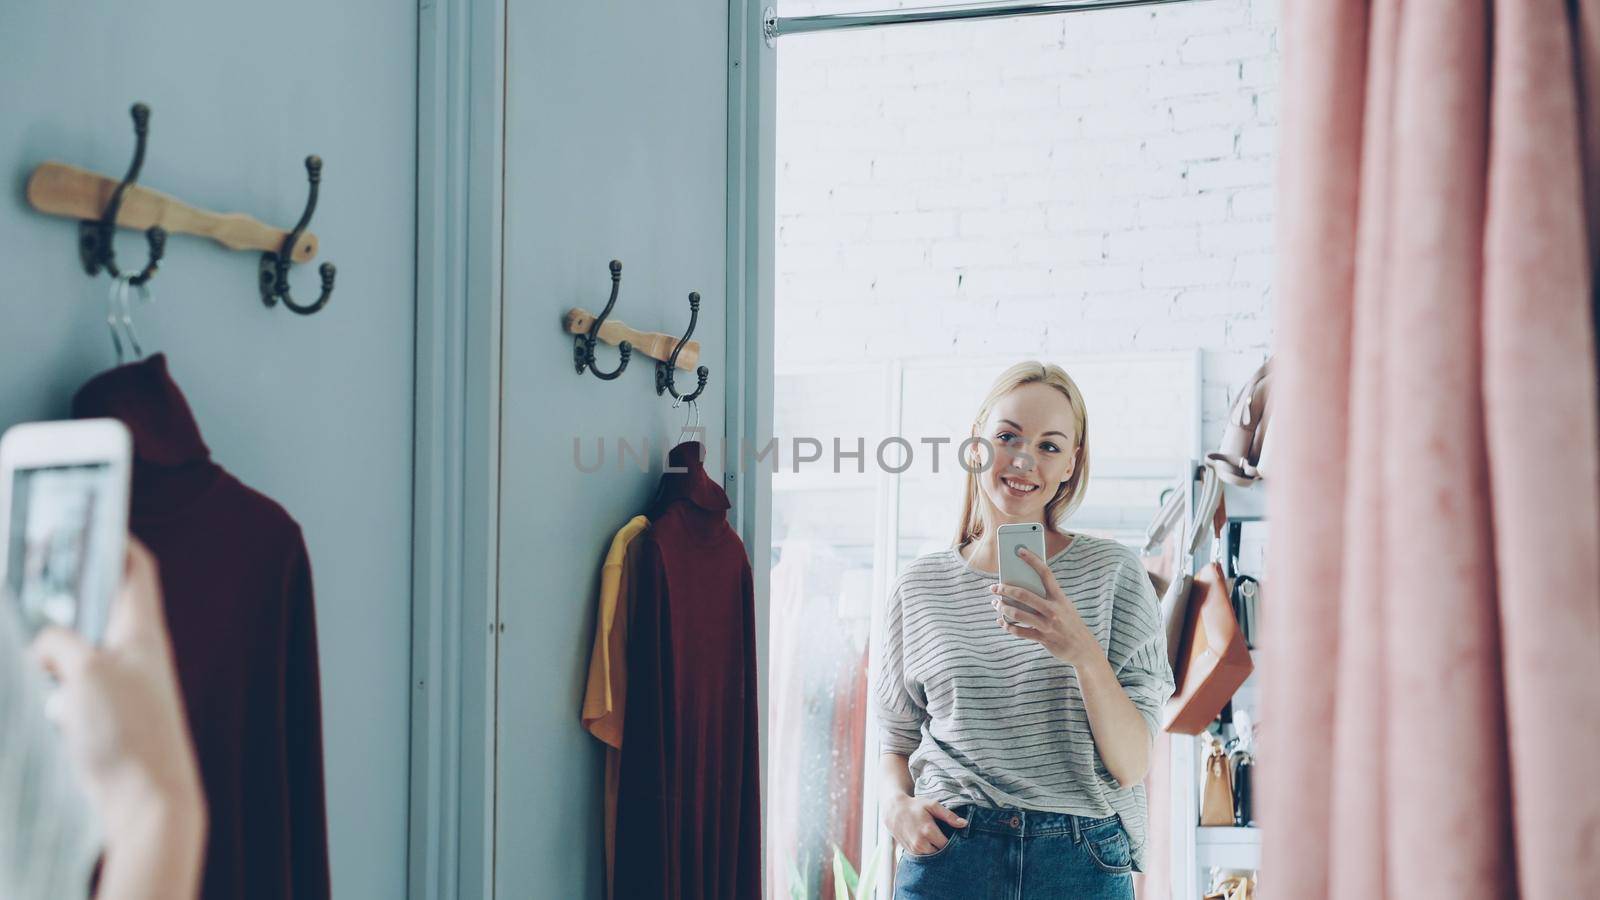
column 688, row 806
column 237, row 584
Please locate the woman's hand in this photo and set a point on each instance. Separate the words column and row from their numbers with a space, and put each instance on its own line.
column 122, row 720
column 1052, row 621
column 914, row 822
column 1120, row 734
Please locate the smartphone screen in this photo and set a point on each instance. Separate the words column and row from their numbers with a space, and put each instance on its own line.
column 64, row 545
column 1014, row 570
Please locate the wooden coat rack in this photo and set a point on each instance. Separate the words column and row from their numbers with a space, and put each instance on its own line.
column 653, row 344
column 59, row 189
column 671, row 353
column 102, row 205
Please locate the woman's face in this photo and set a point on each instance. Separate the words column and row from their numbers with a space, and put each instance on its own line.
column 1035, row 445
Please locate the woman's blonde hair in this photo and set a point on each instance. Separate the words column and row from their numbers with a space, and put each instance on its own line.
column 1070, row 494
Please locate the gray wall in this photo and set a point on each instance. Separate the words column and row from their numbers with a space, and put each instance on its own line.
column 616, row 147
column 316, row 412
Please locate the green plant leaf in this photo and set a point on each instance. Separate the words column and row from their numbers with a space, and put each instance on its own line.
column 869, row 876
column 840, row 862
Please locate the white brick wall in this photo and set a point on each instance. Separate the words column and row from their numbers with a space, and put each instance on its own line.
column 1094, row 182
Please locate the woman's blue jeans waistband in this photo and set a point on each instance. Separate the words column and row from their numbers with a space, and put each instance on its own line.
column 1019, row 854
column 1030, row 823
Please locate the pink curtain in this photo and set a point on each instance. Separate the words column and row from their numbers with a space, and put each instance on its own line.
column 1432, row 660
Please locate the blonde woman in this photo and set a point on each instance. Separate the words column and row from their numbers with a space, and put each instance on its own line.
column 1013, row 754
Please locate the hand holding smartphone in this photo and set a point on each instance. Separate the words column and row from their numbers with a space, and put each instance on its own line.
column 64, row 521
column 1014, row 570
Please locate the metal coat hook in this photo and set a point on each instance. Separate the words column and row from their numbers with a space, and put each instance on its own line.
column 95, row 238
column 275, row 266
column 664, row 370
column 583, row 346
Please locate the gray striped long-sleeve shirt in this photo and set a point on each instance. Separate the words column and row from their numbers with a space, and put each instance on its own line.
column 993, row 719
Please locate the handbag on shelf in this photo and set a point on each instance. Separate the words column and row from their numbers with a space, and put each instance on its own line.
column 1246, row 602
column 1241, row 767
column 1232, row 886
column 1175, row 601
column 1246, row 590
column 1167, row 564
column 1174, row 609
column 1163, row 553
column 1238, row 459
column 1216, row 792
column 1213, row 660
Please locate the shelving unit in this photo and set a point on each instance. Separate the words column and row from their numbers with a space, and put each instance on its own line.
column 1229, row 848
column 1195, row 850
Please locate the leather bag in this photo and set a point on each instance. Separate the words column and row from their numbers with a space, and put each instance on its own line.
column 1246, row 590
column 1163, row 541
column 1233, row 887
column 1216, row 792
column 1243, row 766
column 1175, row 600
column 1246, row 606
column 1213, row 659
column 1238, row 459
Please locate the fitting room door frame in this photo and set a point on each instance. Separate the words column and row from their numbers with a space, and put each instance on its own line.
column 460, row 190
column 460, row 137
column 752, row 232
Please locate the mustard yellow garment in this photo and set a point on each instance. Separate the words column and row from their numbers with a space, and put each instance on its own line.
column 605, row 697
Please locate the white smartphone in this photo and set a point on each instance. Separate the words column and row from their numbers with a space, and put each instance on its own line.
column 1014, row 570
column 64, row 521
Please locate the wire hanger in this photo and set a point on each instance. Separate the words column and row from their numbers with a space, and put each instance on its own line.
column 114, row 318
column 119, row 315
column 691, row 415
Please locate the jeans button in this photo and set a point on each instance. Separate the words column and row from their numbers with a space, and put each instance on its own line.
column 1015, row 822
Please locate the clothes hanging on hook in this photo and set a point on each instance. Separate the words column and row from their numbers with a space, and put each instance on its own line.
column 605, row 697
column 236, row 580
column 688, row 805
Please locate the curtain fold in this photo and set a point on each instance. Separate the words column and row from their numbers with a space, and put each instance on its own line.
column 1324, row 68
column 1539, row 400
column 1432, row 664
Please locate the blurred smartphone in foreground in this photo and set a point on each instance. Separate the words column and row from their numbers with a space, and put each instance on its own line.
column 1014, row 570
column 63, row 521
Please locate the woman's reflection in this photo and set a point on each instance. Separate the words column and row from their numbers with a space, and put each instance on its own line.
column 1014, row 751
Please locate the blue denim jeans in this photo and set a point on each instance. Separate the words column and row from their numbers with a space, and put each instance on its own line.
column 1019, row 854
